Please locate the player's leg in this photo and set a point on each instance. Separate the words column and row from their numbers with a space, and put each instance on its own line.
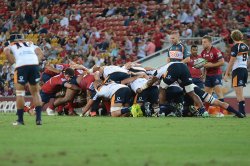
column 20, row 79
column 37, row 102
column 33, row 79
column 218, row 91
column 20, row 93
column 208, row 98
column 240, row 99
column 239, row 80
column 208, row 88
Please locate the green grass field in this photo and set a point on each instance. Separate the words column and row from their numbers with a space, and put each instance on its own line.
column 125, row 141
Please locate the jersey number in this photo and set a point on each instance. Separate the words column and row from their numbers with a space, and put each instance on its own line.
column 244, row 56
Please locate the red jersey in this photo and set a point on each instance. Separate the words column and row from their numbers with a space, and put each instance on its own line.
column 54, row 84
column 213, row 56
column 86, row 82
column 58, row 67
column 195, row 73
column 157, row 39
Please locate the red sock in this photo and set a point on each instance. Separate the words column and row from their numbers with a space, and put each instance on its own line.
column 71, row 107
column 52, row 106
column 207, row 106
column 60, row 108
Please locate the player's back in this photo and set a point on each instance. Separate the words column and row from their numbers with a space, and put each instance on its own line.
column 54, row 84
column 241, row 52
column 24, row 53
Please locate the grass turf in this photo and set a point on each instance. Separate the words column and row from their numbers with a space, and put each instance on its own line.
column 125, row 141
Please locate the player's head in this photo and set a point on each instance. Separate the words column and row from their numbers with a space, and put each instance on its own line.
column 174, row 37
column 206, row 41
column 69, row 73
column 194, row 50
column 16, row 37
column 236, row 35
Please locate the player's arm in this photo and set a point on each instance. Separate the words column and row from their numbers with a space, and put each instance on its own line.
column 186, row 55
column 217, row 64
column 79, row 67
column 71, row 86
column 129, row 80
column 90, row 102
column 230, row 65
column 39, row 53
column 10, row 57
column 50, row 68
column 234, row 53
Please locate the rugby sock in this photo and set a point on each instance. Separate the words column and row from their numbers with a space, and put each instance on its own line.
column 201, row 110
column 71, row 107
column 20, row 115
column 242, row 107
column 221, row 109
column 125, row 110
column 231, row 109
column 207, row 106
column 52, row 106
column 38, row 113
column 60, row 108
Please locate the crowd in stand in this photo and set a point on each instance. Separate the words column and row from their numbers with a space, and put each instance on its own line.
column 108, row 32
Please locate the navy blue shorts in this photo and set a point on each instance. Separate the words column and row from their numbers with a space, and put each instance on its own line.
column 212, row 81
column 239, row 77
column 46, row 96
column 148, row 95
column 118, row 77
column 27, row 74
column 198, row 82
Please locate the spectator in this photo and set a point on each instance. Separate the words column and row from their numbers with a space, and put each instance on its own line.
column 128, row 48
column 11, row 81
column 64, row 21
column 158, row 37
column 141, row 53
column 150, row 48
column 187, row 32
column 2, row 37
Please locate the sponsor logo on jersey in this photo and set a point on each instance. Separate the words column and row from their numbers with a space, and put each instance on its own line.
column 243, row 47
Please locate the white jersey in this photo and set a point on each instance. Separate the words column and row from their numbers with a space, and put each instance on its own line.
column 240, row 52
column 24, row 53
column 138, row 83
column 107, row 91
column 112, row 69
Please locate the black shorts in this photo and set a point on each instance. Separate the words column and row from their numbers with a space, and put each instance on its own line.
column 117, row 76
column 212, row 81
column 174, row 94
column 27, row 74
column 122, row 95
column 178, row 72
column 148, row 95
column 239, row 77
